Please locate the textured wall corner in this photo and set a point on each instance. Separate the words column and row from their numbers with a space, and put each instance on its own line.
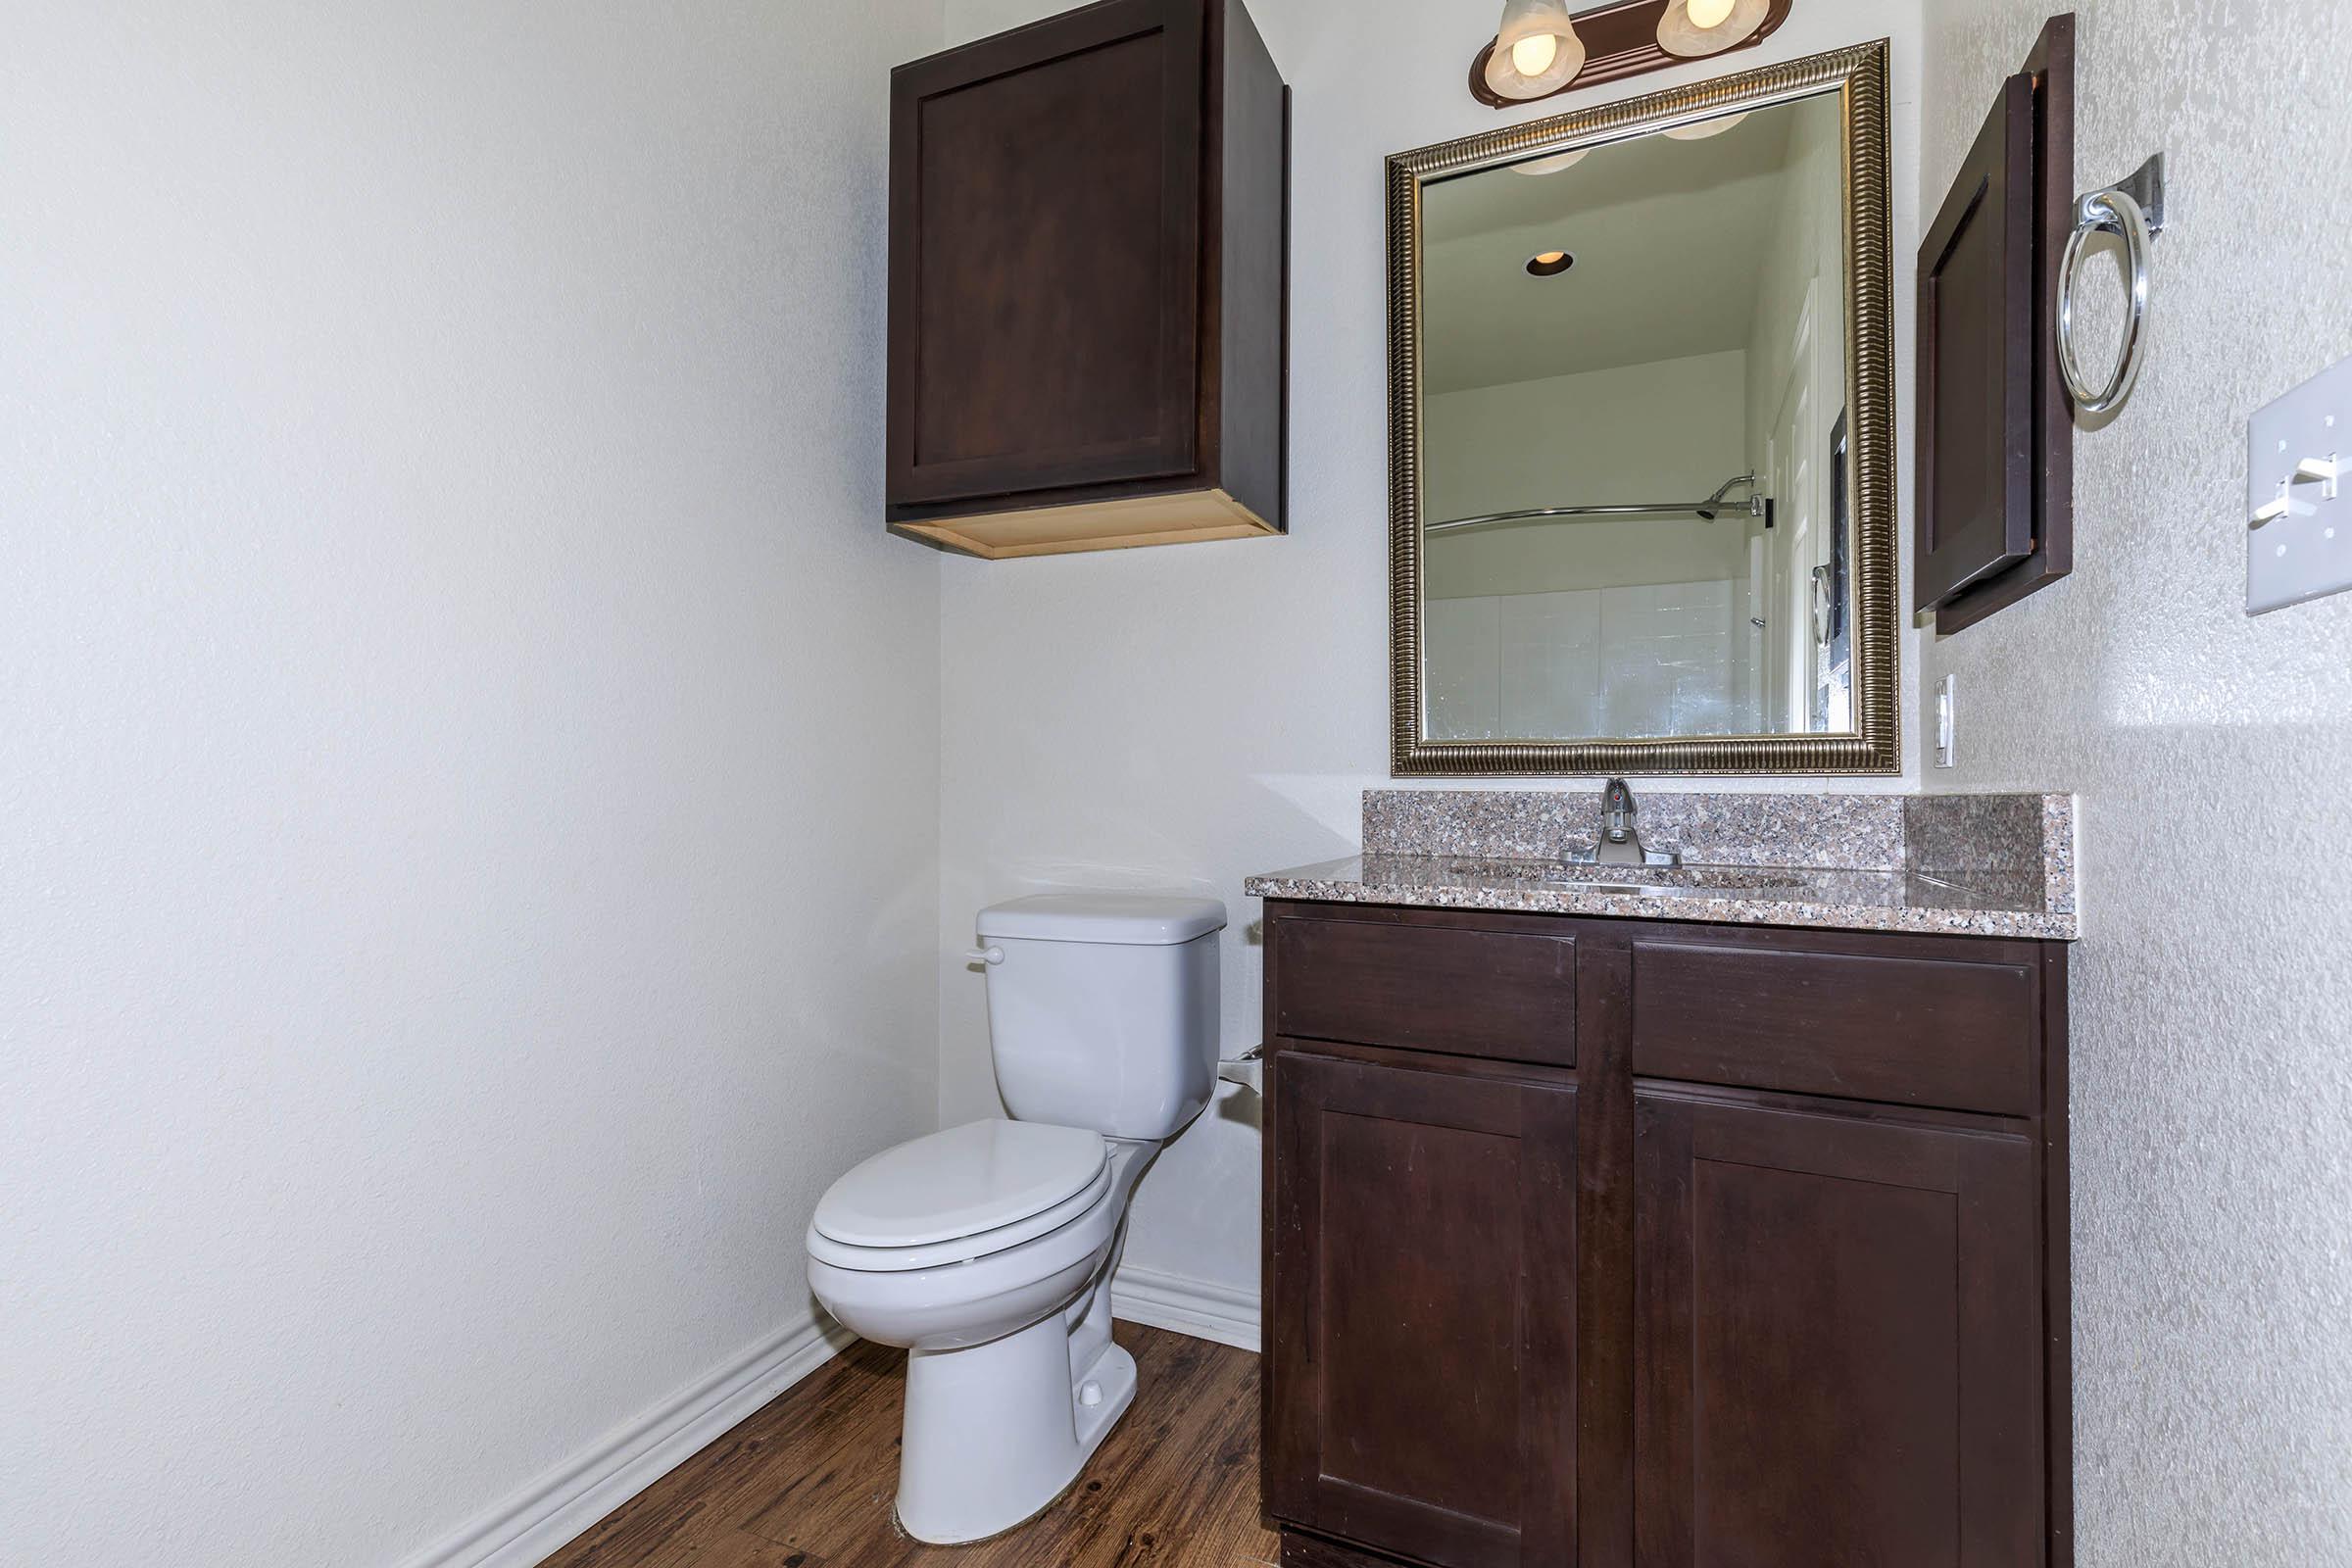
column 2212, row 998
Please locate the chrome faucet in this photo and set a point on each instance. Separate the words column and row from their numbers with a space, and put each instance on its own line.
column 1620, row 844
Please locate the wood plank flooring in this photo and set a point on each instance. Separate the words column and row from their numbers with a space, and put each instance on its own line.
column 808, row 1481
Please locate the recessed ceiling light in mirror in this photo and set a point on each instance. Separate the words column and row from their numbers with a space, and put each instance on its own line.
column 1692, row 30
column 1550, row 264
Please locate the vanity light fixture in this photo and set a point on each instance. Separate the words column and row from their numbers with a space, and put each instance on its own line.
column 1701, row 129
column 1692, row 30
column 1550, row 264
column 1546, row 47
column 1535, row 52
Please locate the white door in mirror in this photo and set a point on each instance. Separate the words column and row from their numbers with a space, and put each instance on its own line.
column 2298, row 527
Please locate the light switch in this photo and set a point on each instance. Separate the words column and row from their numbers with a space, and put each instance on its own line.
column 2298, row 524
column 1947, row 721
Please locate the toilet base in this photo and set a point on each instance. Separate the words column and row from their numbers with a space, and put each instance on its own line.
column 994, row 1433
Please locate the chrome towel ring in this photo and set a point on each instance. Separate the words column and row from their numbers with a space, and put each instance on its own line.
column 2133, row 210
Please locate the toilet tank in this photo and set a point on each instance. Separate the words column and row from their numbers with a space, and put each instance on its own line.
column 1102, row 1013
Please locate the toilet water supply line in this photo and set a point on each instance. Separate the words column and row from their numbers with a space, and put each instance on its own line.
column 1249, row 1070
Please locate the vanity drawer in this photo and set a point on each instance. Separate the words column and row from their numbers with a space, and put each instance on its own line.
column 1892, row 1024
column 1508, row 995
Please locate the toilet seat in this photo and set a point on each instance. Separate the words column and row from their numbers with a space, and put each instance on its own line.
column 958, row 1195
column 963, row 1248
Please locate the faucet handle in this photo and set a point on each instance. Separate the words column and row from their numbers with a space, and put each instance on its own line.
column 1619, row 845
column 1617, row 812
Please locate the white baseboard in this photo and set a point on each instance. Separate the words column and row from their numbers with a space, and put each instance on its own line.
column 558, row 1506
column 561, row 1504
column 1224, row 1313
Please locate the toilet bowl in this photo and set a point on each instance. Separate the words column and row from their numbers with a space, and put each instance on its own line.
column 1012, row 1379
column 987, row 1249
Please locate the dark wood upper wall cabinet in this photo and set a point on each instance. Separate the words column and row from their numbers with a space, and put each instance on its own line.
column 1996, row 434
column 1088, row 260
column 1976, row 366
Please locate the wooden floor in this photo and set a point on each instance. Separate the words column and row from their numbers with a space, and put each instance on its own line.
column 808, row 1481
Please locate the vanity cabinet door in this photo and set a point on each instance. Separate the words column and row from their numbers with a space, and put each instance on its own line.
column 1837, row 1345
column 1422, row 1394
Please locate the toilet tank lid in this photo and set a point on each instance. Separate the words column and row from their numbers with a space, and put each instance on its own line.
column 1138, row 919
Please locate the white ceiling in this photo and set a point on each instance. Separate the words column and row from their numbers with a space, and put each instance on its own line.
column 1661, row 230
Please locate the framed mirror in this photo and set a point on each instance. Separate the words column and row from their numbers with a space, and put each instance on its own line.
column 1642, row 424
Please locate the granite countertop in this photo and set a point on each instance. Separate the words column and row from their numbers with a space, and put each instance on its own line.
column 1846, row 900
column 1955, row 865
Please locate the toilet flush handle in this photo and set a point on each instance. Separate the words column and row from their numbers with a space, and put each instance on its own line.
column 990, row 955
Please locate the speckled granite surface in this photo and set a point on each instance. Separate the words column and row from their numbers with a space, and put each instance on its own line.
column 2020, row 843
column 1829, row 832
column 1992, row 865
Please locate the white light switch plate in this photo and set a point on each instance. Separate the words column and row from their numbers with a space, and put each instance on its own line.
column 2305, row 552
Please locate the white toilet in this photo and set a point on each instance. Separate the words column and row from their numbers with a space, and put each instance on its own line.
column 988, row 1249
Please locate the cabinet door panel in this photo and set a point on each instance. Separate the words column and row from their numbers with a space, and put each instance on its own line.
column 1976, row 362
column 1046, row 256
column 1424, row 1303
column 1835, row 1341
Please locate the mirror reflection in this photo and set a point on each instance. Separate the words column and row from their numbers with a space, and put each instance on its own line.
column 1632, row 412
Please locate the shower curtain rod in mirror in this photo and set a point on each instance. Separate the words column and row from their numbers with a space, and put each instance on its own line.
column 1754, row 507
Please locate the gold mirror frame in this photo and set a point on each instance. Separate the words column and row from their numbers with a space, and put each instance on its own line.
column 1874, row 746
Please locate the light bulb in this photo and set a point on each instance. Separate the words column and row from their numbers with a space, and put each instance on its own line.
column 1532, row 57
column 1690, row 30
column 1536, row 50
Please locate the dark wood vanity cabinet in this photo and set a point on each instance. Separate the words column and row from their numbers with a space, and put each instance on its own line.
column 1087, row 268
column 1703, row 1247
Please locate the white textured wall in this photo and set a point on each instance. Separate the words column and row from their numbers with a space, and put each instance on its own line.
column 2212, row 991
column 467, row 751
column 1184, row 716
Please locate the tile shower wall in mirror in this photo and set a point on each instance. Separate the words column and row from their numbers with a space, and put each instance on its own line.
column 1643, row 340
